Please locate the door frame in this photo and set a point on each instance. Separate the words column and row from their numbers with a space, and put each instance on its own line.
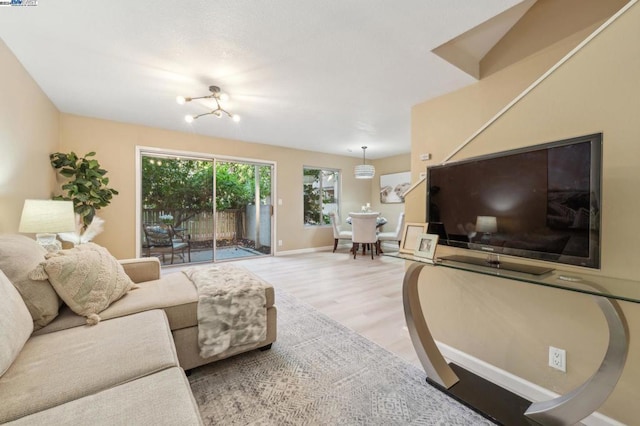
column 149, row 150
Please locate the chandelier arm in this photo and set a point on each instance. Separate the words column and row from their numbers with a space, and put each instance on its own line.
column 203, row 114
column 220, row 107
column 213, row 112
column 199, row 97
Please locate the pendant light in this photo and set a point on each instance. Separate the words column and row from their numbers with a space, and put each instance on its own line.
column 364, row 171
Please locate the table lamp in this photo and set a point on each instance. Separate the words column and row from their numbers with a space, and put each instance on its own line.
column 487, row 224
column 45, row 218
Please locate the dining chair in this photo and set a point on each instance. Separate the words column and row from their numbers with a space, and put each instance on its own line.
column 392, row 235
column 364, row 227
column 338, row 233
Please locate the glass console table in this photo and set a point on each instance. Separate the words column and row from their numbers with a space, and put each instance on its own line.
column 566, row 409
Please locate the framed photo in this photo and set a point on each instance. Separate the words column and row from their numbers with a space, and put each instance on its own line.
column 410, row 235
column 426, row 246
column 393, row 186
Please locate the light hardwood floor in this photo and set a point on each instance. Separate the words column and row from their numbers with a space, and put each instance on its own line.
column 362, row 294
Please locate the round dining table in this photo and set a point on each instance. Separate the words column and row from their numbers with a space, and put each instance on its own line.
column 379, row 221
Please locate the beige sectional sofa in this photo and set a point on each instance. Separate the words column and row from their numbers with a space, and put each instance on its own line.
column 127, row 369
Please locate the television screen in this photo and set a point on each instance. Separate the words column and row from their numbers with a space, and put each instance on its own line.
column 540, row 202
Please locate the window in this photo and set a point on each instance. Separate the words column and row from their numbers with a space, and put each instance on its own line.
column 320, row 195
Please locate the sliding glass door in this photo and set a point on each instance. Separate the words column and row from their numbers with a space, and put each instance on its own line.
column 202, row 209
column 243, row 209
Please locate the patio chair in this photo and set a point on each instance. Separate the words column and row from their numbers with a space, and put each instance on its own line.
column 162, row 239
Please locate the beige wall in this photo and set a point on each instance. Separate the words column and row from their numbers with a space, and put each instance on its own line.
column 28, row 134
column 442, row 124
column 544, row 24
column 115, row 145
column 511, row 325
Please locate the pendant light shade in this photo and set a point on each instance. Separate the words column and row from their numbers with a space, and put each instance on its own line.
column 364, row 171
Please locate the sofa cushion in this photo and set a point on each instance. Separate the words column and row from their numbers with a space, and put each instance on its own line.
column 163, row 398
column 16, row 323
column 88, row 278
column 19, row 255
column 174, row 293
column 56, row 368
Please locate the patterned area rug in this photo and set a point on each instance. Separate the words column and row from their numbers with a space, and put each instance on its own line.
column 319, row 372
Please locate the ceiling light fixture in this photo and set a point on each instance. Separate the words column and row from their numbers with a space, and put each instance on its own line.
column 217, row 96
column 364, row 171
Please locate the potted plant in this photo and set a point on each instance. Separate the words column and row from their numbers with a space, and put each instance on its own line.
column 86, row 188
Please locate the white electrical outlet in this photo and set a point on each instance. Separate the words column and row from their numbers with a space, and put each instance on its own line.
column 279, row 243
column 425, row 157
column 558, row 359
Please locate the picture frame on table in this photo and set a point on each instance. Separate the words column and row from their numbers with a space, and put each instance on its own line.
column 410, row 235
column 426, row 246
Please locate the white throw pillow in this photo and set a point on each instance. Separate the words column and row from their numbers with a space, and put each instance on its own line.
column 87, row 278
column 16, row 323
column 18, row 256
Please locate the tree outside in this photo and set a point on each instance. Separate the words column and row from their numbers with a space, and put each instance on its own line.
column 319, row 195
column 180, row 188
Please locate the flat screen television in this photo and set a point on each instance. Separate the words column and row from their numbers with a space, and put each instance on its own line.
column 541, row 202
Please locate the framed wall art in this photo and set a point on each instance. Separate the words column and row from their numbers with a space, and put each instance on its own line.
column 393, row 186
column 410, row 235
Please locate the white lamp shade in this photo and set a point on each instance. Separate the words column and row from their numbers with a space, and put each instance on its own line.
column 43, row 216
column 487, row 224
column 364, row 171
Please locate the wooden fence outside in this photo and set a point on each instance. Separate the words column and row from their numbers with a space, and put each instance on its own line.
column 231, row 224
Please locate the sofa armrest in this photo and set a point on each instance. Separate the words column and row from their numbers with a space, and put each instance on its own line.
column 142, row 269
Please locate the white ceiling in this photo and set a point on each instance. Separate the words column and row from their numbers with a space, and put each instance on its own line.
column 326, row 76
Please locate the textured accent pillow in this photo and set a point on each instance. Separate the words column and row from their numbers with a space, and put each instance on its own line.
column 18, row 256
column 88, row 278
column 16, row 323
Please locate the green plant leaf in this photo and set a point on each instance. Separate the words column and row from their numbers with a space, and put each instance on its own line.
column 87, row 186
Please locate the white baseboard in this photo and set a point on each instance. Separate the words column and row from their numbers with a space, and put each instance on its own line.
column 513, row 383
column 343, row 246
column 302, row 251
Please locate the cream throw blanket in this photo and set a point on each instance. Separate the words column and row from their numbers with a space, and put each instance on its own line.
column 231, row 308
